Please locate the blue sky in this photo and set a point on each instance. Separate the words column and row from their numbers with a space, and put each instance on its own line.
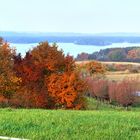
column 83, row 16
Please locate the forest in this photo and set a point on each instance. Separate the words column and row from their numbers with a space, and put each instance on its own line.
column 128, row 54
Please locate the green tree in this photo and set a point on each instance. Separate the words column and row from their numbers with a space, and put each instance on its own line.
column 117, row 55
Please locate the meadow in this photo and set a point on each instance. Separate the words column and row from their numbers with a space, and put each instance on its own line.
column 117, row 75
column 105, row 123
column 120, row 75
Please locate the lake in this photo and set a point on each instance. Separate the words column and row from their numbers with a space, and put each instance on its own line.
column 72, row 49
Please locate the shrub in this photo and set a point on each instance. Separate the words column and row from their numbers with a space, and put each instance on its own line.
column 123, row 92
column 98, row 88
column 95, row 68
column 112, row 91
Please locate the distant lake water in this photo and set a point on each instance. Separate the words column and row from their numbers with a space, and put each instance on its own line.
column 72, row 49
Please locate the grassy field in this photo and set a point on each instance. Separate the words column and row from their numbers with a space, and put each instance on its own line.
column 109, row 62
column 100, row 121
column 118, row 76
column 123, row 63
column 106, row 123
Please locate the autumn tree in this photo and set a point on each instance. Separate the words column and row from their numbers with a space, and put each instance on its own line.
column 134, row 54
column 66, row 90
column 42, row 68
column 9, row 83
column 98, row 88
column 125, row 93
column 95, row 67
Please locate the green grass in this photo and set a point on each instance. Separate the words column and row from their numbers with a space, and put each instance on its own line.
column 96, row 105
column 106, row 123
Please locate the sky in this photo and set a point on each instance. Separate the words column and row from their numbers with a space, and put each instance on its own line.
column 79, row 16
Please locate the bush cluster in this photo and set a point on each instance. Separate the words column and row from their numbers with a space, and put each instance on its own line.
column 118, row 93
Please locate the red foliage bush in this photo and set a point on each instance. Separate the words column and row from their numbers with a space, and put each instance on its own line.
column 98, row 88
column 112, row 91
column 123, row 92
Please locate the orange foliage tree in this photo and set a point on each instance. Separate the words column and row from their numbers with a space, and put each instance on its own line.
column 95, row 67
column 66, row 90
column 45, row 67
column 9, row 83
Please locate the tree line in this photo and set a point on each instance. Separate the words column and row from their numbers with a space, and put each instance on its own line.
column 128, row 54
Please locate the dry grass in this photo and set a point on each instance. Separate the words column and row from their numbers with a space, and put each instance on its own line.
column 118, row 75
column 124, row 63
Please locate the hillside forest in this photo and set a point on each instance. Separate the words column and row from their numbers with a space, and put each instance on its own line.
column 128, row 54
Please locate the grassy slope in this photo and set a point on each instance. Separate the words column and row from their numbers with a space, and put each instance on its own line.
column 92, row 105
column 106, row 124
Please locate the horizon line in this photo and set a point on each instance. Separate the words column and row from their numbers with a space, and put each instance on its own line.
column 69, row 32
